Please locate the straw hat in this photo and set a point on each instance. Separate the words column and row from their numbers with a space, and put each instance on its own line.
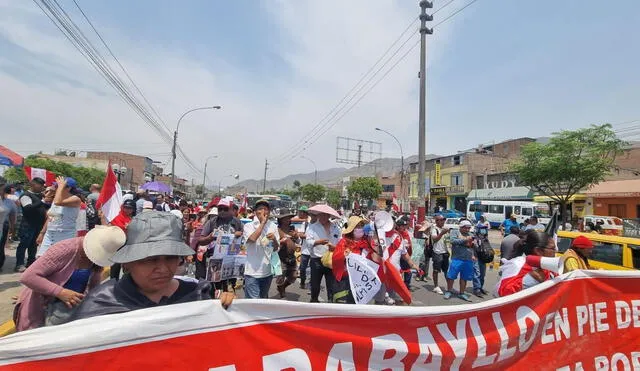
column 352, row 223
column 102, row 242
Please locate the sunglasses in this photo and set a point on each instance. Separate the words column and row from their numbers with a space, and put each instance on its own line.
column 223, row 208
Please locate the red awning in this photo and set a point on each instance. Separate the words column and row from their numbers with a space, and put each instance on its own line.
column 15, row 158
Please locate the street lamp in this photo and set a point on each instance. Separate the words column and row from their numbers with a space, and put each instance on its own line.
column 175, row 140
column 401, row 162
column 315, row 167
column 119, row 170
column 234, row 176
column 204, row 178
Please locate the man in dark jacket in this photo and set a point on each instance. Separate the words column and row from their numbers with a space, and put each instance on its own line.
column 34, row 214
column 150, row 257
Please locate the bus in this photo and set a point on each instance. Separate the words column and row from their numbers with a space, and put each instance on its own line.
column 495, row 212
column 609, row 252
column 276, row 202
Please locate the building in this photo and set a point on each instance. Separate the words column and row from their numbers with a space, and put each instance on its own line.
column 450, row 179
column 619, row 198
column 139, row 169
column 390, row 188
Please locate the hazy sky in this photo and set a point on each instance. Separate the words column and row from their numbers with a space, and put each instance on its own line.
column 499, row 69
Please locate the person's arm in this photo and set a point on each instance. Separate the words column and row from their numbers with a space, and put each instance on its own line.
column 206, row 237
column 413, row 265
column 435, row 236
column 275, row 238
column 36, row 276
column 253, row 235
column 42, row 232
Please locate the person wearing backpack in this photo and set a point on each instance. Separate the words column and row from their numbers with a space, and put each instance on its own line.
column 484, row 254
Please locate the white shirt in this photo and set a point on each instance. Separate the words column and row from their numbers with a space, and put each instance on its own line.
column 258, row 263
column 301, row 227
column 316, row 232
column 439, row 247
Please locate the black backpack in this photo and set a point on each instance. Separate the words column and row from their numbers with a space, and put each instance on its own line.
column 485, row 252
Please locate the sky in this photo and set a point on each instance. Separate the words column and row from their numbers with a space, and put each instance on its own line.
column 499, row 69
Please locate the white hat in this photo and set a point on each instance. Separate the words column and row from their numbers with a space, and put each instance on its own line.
column 213, row 211
column 465, row 223
column 102, row 242
column 176, row 213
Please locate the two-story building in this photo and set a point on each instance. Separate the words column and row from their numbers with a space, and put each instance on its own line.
column 139, row 169
column 450, row 179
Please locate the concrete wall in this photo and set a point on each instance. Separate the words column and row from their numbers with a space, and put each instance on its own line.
column 628, row 206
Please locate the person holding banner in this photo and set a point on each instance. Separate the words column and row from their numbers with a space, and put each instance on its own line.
column 150, row 257
column 352, row 242
column 263, row 242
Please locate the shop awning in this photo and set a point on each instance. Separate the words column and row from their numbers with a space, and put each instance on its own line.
column 576, row 197
column 510, row 193
column 616, row 188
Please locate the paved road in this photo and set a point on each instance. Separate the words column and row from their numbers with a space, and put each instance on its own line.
column 422, row 295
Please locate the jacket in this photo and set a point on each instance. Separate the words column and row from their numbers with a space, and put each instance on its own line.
column 123, row 296
column 44, row 280
column 34, row 211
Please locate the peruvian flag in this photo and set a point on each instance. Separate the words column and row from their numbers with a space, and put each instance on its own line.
column 43, row 174
column 394, row 204
column 110, row 198
column 244, row 205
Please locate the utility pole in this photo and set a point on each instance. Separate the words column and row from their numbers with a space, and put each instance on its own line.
column 359, row 154
column 422, row 122
column 264, row 181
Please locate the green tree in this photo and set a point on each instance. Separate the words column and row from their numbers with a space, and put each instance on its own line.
column 312, row 192
column 296, row 184
column 83, row 175
column 334, row 198
column 199, row 189
column 365, row 188
column 571, row 161
column 293, row 193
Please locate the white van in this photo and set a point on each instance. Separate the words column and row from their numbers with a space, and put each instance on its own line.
column 495, row 212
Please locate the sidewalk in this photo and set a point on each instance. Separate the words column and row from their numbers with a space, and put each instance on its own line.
column 9, row 283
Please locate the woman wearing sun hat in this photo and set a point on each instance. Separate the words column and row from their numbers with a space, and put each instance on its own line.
column 353, row 241
column 59, row 279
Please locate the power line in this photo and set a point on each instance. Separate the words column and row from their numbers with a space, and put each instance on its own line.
column 120, row 64
column 328, row 125
column 326, row 118
column 61, row 19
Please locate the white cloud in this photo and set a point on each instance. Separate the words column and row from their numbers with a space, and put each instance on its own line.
column 326, row 44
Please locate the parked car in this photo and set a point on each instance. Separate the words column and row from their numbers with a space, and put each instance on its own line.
column 451, row 214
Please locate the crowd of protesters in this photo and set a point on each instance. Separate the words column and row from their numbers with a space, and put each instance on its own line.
column 158, row 251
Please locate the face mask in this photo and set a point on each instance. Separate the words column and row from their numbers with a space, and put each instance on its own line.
column 358, row 233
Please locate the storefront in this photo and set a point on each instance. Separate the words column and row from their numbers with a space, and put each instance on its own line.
column 438, row 196
column 619, row 198
column 577, row 206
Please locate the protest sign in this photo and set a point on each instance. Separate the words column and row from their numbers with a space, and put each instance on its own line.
column 226, row 261
column 583, row 320
column 363, row 278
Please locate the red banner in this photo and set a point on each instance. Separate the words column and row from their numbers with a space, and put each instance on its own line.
column 580, row 321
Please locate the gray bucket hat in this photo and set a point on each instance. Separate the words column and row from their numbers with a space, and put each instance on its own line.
column 152, row 234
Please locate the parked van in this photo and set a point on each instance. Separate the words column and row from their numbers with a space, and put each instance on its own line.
column 609, row 252
column 495, row 212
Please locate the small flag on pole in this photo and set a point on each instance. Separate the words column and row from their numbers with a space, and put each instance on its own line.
column 110, row 198
column 552, row 227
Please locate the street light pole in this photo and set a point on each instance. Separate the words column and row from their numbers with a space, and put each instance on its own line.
column 204, row 178
column 175, row 140
column 315, row 167
column 401, row 163
column 234, row 176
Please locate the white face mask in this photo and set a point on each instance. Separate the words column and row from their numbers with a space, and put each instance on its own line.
column 358, row 233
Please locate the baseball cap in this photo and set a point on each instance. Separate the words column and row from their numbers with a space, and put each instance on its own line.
column 152, row 234
column 304, row 208
column 465, row 223
column 71, row 183
column 224, row 202
column 582, row 242
column 213, row 211
column 262, row 203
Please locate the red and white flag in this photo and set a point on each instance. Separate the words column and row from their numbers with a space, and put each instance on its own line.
column 244, row 205
column 43, row 174
column 110, row 198
column 394, row 204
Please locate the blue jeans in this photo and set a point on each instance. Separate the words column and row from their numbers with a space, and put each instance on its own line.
column 304, row 263
column 479, row 271
column 257, row 288
column 28, row 236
